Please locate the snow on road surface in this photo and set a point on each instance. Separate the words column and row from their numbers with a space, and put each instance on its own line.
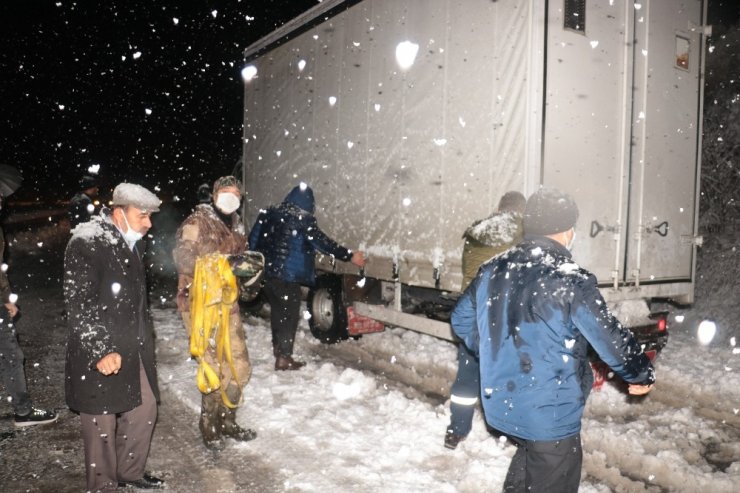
column 338, row 425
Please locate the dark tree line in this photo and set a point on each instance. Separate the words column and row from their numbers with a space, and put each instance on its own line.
column 720, row 181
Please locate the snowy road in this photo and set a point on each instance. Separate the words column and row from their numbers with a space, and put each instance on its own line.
column 367, row 416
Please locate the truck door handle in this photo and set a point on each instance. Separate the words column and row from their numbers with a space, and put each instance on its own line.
column 596, row 228
column 661, row 229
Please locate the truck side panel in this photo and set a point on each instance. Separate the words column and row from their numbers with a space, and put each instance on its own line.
column 401, row 160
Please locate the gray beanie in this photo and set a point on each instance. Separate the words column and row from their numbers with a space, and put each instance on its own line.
column 135, row 195
column 549, row 211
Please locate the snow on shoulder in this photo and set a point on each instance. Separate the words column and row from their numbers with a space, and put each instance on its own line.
column 92, row 229
column 498, row 229
column 569, row 268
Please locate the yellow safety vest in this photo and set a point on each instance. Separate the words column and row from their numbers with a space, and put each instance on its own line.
column 212, row 295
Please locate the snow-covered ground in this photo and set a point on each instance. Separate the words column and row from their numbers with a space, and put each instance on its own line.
column 343, row 424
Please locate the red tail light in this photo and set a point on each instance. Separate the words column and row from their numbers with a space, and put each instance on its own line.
column 662, row 324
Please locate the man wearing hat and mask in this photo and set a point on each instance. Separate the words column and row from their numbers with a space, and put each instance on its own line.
column 110, row 376
column 530, row 315
column 216, row 228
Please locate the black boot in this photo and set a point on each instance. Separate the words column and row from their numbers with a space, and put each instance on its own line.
column 283, row 363
column 229, row 427
column 210, row 421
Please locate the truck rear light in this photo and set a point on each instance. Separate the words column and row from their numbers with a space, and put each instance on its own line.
column 661, row 320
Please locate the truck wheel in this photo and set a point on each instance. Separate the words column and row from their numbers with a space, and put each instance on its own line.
column 328, row 320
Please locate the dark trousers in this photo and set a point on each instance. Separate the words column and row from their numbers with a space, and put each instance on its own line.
column 545, row 467
column 285, row 306
column 464, row 392
column 11, row 365
column 117, row 445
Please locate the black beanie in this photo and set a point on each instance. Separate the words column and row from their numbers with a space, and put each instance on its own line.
column 549, row 211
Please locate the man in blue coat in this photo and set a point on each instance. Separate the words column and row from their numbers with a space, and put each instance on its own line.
column 289, row 236
column 530, row 316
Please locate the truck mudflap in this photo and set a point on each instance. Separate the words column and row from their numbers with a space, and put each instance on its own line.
column 359, row 324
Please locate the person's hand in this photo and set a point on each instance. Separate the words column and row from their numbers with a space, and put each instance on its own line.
column 109, row 364
column 358, row 258
column 12, row 309
column 635, row 389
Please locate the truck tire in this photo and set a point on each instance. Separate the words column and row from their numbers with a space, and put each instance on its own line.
column 328, row 322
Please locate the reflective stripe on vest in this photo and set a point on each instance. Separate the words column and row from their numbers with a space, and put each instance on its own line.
column 463, row 401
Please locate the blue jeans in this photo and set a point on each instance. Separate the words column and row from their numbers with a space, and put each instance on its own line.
column 11, row 365
column 465, row 391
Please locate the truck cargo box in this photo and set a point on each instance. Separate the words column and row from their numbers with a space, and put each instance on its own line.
column 410, row 119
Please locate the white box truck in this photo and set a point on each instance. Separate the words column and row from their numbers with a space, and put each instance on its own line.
column 410, row 119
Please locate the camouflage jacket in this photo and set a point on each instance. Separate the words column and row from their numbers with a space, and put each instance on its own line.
column 203, row 233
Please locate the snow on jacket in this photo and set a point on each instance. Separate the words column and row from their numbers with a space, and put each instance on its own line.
column 203, row 232
column 487, row 238
column 289, row 236
column 530, row 315
column 107, row 312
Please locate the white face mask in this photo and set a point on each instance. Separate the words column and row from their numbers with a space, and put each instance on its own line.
column 227, row 202
column 569, row 246
column 130, row 235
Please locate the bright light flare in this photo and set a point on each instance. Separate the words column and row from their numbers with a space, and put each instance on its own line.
column 249, row 72
column 706, row 332
column 406, row 52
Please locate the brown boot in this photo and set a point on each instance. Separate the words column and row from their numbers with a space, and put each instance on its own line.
column 283, row 363
column 229, row 427
column 210, row 421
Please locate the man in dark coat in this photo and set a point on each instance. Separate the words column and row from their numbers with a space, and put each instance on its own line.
column 110, row 376
column 530, row 316
column 289, row 236
column 81, row 206
column 484, row 239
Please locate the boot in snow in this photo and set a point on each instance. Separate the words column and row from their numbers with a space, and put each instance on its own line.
column 229, row 427
column 210, row 421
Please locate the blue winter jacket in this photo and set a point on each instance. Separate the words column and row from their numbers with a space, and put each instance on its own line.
column 530, row 314
column 288, row 236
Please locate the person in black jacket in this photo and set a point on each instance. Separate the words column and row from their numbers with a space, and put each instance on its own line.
column 81, row 206
column 530, row 316
column 289, row 236
column 12, row 371
column 110, row 375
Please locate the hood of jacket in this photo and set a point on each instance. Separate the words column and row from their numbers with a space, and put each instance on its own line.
column 501, row 228
column 302, row 197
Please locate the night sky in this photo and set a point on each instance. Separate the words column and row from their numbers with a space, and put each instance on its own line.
column 150, row 90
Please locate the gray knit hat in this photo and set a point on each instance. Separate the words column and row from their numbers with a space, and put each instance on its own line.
column 135, row 195
column 549, row 211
